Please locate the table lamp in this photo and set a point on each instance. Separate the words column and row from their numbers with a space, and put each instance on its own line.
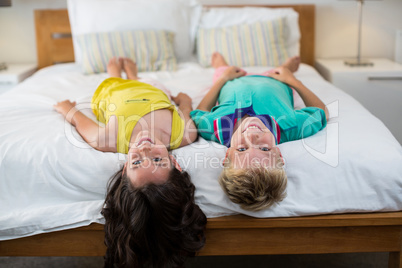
column 359, row 61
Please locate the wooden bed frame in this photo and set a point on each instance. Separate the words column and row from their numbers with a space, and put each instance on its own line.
column 231, row 235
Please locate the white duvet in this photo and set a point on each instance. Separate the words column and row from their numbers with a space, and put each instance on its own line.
column 50, row 179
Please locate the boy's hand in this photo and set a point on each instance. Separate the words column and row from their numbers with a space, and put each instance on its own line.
column 284, row 75
column 64, row 107
column 232, row 72
column 183, row 100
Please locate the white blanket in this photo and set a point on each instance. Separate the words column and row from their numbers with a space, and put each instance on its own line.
column 50, row 179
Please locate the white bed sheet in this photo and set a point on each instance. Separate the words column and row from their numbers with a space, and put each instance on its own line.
column 50, row 179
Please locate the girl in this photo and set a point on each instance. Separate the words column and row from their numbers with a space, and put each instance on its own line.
column 151, row 218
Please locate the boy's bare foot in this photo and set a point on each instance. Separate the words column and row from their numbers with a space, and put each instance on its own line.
column 130, row 67
column 292, row 63
column 218, row 60
column 114, row 67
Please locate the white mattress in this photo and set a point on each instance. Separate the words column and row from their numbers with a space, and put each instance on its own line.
column 50, row 179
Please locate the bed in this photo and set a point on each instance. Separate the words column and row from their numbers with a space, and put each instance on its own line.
column 366, row 218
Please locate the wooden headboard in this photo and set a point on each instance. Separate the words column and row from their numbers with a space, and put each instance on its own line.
column 54, row 42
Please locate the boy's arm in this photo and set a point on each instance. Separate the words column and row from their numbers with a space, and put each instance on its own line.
column 209, row 101
column 310, row 99
column 90, row 131
column 190, row 130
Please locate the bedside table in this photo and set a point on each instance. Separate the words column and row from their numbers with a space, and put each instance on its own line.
column 14, row 74
column 378, row 87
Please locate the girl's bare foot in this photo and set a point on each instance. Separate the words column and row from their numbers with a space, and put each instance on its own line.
column 121, row 62
column 292, row 63
column 114, row 67
column 218, row 60
column 130, row 67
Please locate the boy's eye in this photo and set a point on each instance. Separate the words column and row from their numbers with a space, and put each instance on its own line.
column 137, row 162
column 157, row 159
column 241, row 149
column 265, row 149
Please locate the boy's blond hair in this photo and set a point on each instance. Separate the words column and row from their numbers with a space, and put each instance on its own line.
column 256, row 187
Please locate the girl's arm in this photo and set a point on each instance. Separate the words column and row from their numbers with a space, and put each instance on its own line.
column 96, row 136
column 190, row 130
column 209, row 101
column 284, row 75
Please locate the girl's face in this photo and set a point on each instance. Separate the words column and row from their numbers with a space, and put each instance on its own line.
column 252, row 142
column 148, row 161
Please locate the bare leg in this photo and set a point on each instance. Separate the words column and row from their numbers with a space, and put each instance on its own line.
column 114, row 68
column 292, row 63
column 218, row 60
column 130, row 68
column 220, row 65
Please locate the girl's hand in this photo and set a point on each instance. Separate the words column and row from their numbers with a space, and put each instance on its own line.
column 64, row 107
column 183, row 100
column 284, row 75
column 232, row 72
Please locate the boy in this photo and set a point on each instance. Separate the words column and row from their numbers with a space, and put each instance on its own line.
column 254, row 114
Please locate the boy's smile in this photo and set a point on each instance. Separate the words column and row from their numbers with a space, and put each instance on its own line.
column 252, row 142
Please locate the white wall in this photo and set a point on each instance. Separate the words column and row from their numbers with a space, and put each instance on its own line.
column 336, row 27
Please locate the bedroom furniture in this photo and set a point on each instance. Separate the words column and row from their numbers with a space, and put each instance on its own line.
column 359, row 61
column 5, row 3
column 55, row 45
column 231, row 235
column 378, row 87
column 14, row 74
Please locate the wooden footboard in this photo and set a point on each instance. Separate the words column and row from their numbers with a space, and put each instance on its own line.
column 243, row 235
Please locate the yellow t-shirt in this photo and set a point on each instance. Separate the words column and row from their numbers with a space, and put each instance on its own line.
column 129, row 100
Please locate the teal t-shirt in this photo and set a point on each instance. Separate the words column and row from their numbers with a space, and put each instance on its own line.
column 263, row 97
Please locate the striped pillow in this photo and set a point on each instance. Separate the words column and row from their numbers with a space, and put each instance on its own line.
column 258, row 44
column 152, row 50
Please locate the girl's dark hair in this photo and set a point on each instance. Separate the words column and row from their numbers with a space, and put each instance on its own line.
column 153, row 225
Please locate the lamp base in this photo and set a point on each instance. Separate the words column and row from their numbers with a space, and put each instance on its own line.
column 358, row 63
column 3, row 66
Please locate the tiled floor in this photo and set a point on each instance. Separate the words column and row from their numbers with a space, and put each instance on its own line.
column 355, row 260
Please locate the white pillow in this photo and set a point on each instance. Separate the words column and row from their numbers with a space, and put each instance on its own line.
column 217, row 17
column 178, row 16
column 258, row 44
column 151, row 50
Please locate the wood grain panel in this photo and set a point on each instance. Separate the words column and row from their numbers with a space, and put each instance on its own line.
column 366, row 219
column 301, row 240
column 74, row 242
column 240, row 235
column 50, row 22
column 53, row 37
column 61, row 50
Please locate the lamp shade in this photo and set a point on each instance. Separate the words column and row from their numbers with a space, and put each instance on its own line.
column 5, row 3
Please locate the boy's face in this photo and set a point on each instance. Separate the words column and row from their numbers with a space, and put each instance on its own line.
column 148, row 161
column 252, row 142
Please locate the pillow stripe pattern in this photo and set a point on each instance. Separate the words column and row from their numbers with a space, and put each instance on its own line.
column 258, row 44
column 152, row 50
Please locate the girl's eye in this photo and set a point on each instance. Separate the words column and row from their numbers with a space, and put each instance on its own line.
column 241, row 149
column 264, row 149
column 137, row 162
column 157, row 159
